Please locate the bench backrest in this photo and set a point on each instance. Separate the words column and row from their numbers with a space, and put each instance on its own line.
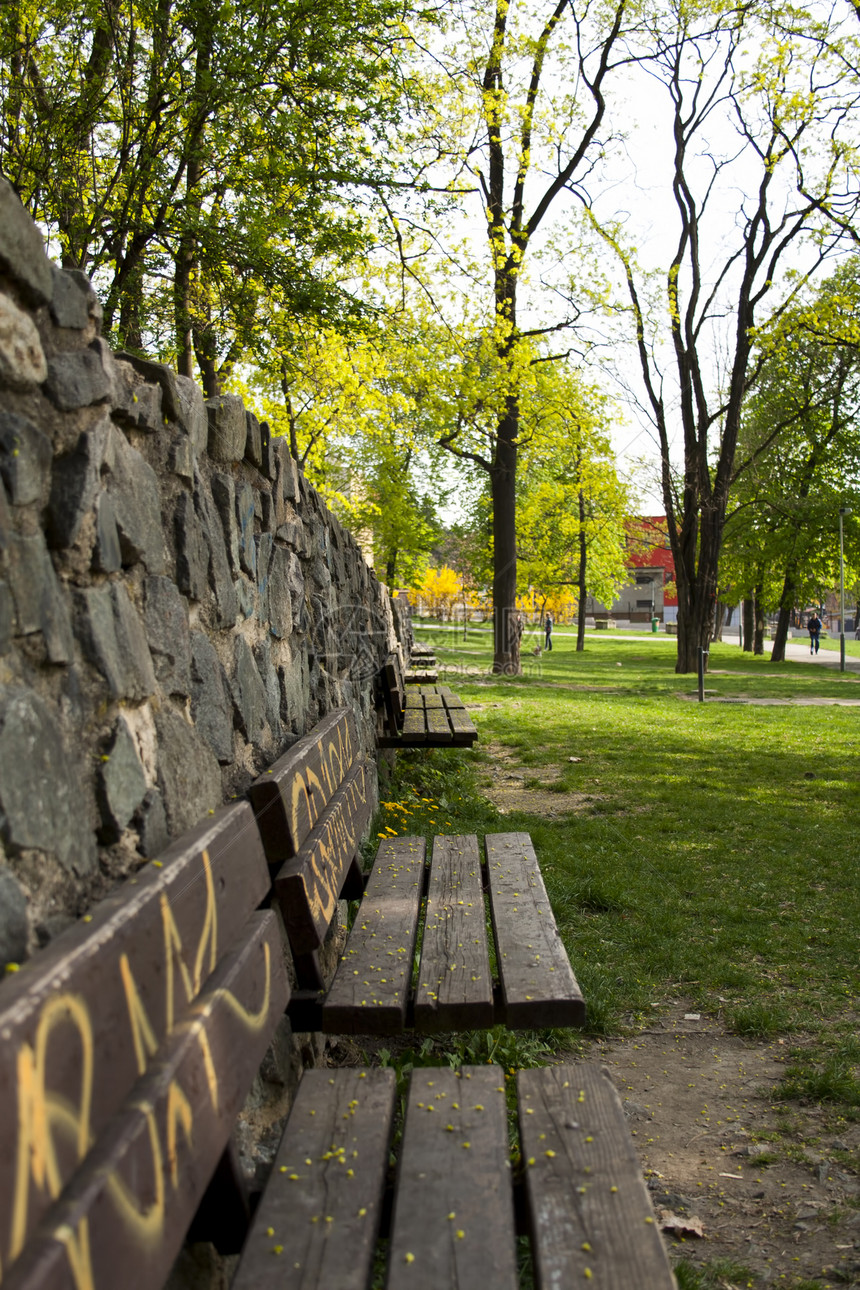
column 115, row 1086
column 312, row 807
column 393, row 689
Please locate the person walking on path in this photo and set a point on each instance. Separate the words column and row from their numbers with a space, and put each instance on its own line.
column 547, row 626
column 814, row 629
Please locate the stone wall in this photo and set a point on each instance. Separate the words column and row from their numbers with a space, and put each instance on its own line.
column 177, row 605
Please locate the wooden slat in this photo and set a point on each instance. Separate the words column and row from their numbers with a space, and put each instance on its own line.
column 291, row 796
column 438, row 727
column 317, row 1222
column 433, row 701
column 80, row 1022
column 455, row 988
column 538, row 984
column 371, row 989
column 414, row 725
column 123, row 1217
column 462, row 726
column 584, row 1186
column 453, row 1219
column 309, row 885
column 450, row 699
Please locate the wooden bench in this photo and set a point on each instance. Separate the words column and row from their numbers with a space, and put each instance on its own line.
column 132, row 1040
column 129, row 1046
column 457, row 1206
column 420, row 716
column 312, row 807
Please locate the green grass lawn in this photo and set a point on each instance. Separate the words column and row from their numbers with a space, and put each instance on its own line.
column 712, row 854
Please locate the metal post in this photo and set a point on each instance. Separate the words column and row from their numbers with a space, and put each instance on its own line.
column 843, row 511
column 703, row 653
column 741, row 624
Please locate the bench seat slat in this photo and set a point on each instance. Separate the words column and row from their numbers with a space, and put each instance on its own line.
column 453, row 1210
column 462, row 726
column 323, row 1199
column 590, row 1190
column 414, row 725
column 124, row 1216
column 106, row 985
column 371, row 990
column 538, row 984
column 309, row 885
column 455, row 987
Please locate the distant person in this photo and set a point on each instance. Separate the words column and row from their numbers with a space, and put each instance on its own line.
column 814, row 629
column 547, row 626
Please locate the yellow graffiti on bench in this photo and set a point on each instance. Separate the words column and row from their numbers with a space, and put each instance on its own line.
column 46, row 1116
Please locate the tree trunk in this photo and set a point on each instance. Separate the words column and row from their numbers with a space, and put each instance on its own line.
column 581, row 580
column 503, row 482
column 391, row 568
column 697, row 584
column 786, row 607
column 749, row 618
column 758, row 642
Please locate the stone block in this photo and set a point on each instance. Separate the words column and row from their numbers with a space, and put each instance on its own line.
column 77, row 380
column 188, row 773
column 121, row 784
column 289, row 476
column 269, row 677
column 253, row 441
column 133, row 488
column 192, row 554
column 107, row 554
column 279, row 601
column 86, row 287
column 112, row 638
column 25, row 459
column 246, row 596
column 227, row 428
column 5, row 518
column 269, row 465
column 224, row 497
column 75, row 483
column 137, row 405
column 22, row 359
column 193, row 417
column 70, row 305
column 265, row 545
column 296, row 584
column 246, row 497
column 158, row 374
column 40, row 605
column 210, row 698
column 14, row 924
column 249, row 694
column 40, row 793
column 292, row 534
column 182, row 459
column 7, row 618
column 22, row 251
column 168, row 635
column 220, row 577
column 151, row 823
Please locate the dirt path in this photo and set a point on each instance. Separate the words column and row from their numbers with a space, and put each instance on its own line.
column 766, row 1186
column 762, row 1193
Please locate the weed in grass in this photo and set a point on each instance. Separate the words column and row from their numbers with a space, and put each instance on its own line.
column 757, row 1021
column 719, row 1274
